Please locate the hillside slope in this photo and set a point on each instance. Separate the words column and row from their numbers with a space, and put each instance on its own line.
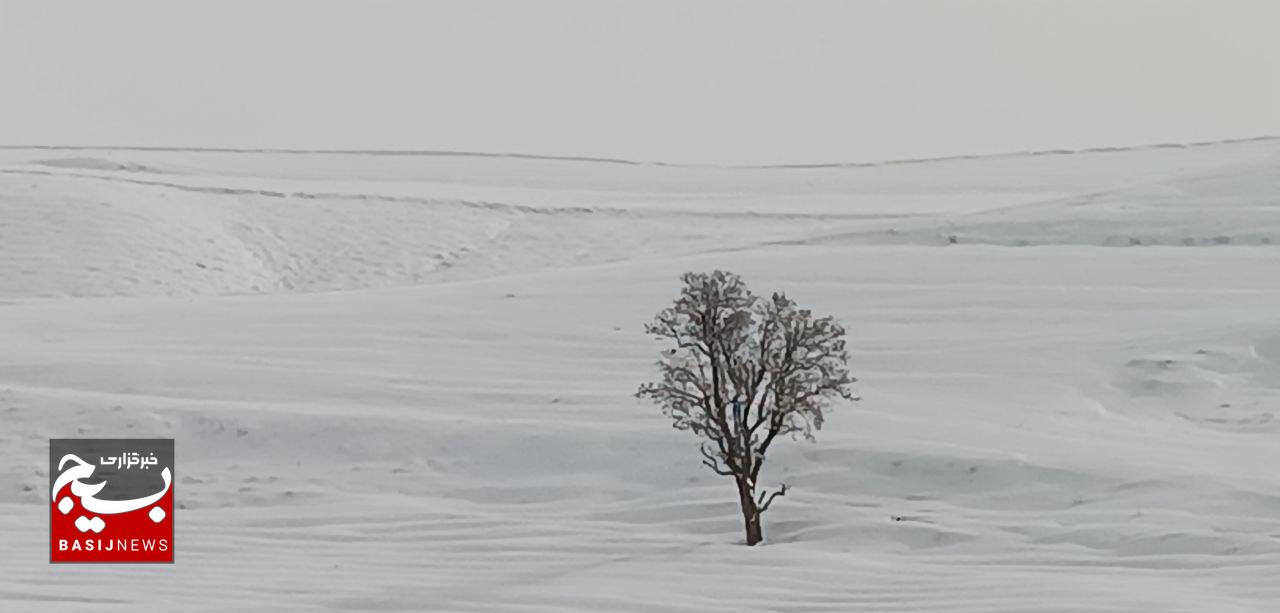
column 404, row 383
column 130, row 222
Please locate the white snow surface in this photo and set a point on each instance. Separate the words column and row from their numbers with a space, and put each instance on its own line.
column 402, row 382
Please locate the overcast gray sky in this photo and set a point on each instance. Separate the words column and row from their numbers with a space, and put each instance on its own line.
column 727, row 82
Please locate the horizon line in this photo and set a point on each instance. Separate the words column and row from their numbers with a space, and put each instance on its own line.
column 633, row 162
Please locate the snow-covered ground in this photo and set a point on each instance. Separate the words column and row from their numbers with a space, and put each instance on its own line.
column 403, row 382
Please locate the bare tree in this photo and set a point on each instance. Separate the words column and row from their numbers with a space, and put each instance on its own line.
column 741, row 372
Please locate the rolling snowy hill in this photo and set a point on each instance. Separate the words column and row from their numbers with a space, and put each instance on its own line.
column 403, row 381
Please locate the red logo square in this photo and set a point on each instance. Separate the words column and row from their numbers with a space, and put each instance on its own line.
column 111, row 500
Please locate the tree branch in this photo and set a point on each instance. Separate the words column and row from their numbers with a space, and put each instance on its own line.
column 713, row 462
column 762, row 504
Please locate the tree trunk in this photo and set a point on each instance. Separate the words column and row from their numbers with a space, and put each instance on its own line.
column 750, row 513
